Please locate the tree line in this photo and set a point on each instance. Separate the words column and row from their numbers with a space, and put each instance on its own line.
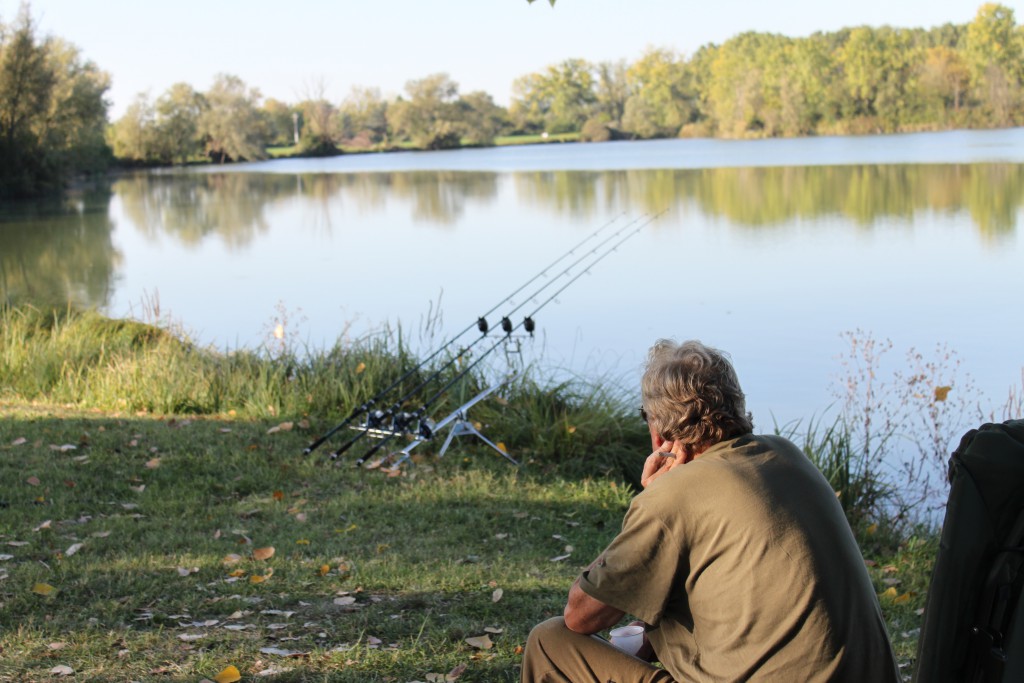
column 857, row 80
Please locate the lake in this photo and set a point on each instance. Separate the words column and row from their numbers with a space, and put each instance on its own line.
column 775, row 251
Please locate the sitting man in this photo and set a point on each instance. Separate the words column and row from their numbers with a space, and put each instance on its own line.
column 741, row 565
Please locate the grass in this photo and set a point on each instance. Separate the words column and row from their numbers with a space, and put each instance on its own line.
column 143, row 477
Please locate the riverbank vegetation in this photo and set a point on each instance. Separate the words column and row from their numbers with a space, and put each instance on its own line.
column 161, row 519
column 856, row 80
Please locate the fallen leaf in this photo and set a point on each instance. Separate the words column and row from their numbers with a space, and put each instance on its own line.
column 72, row 549
column 899, row 600
column 33, row 481
column 257, row 578
column 274, row 671
column 325, row 569
column 283, row 427
column 455, row 673
column 229, row 675
column 263, row 553
column 494, row 629
column 279, row 495
column 44, row 525
column 56, row 646
column 480, row 642
column 62, row 670
column 43, row 589
column 153, row 463
column 182, row 571
column 560, row 558
column 138, row 489
column 889, row 593
column 189, row 637
column 231, row 558
column 19, row 441
column 496, row 595
column 11, row 557
column 347, row 600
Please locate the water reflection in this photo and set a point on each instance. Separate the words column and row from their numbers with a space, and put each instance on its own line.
column 64, row 252
column 56, row 253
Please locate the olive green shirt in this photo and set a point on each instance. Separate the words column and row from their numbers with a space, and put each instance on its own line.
column 744, row 566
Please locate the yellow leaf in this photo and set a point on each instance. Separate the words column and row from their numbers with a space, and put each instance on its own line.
column 263, row 553
column 256, row 578
column 899, row 600
column 480, row 642
column 43, row 589
column 941, row 393
column 571, row 429
column 237, row 573
column 228, row 675
column 501, row 447
column 302, row 541
column 360, row 368
column 889, row 593
column 325, row 569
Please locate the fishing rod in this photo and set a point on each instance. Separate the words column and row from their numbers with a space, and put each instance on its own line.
column 418, row 415
column 481, row 324
column 377, row 418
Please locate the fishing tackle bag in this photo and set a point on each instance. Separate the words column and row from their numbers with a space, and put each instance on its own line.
column 973, row 630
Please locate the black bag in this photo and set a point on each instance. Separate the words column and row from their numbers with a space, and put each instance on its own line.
column 973, row 629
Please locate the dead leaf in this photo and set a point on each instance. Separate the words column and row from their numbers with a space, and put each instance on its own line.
column 494, row 629
column 278, row 495
column 480, row 642
column 257, row 578
column 153, row 463
column 43, row 589
column 56, row 646
column 941, row 393
column 182, row 571
column 560, row 558
column 4, row 556
column 360, row 368
column 72, row 549
column 455, row 673
column 263, row 553
column 62, row 670
column 19, row 441
column 44, row 525
column 283, row 427
column 231, row 558
column 189, row 637
column 33, row 481
column 229, row 675
column 496, row 595
column 347, row 600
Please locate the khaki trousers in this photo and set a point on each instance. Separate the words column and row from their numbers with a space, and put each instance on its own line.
column 554, row 654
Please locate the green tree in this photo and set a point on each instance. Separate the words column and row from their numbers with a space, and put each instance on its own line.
column 994, row 51
column 280, row 122
column 133, row 135
column 52, row 111
column 880, row 67
column 662, row 98
column 481, row 118
column 561, row 99
column 364, row 116
column 231, row 125
column 430, row 117
column 176, row 135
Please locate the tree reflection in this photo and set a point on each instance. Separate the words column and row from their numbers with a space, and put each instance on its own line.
column 758, row 197
column 58, row 253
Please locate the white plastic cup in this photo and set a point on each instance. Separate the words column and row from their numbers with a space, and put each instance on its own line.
column 629, row 639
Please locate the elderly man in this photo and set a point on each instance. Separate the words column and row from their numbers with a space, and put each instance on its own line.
column 736, row 556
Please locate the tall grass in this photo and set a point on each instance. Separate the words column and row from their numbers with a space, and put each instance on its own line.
column 84, row 359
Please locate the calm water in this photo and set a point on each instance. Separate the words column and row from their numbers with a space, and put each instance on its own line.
column 771, row 250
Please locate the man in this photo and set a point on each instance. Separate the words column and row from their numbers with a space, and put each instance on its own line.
column 736, row 556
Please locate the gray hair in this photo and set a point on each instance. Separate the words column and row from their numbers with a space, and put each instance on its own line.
column 692, row 395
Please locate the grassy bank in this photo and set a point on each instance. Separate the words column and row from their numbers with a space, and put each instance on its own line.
column 146, row 482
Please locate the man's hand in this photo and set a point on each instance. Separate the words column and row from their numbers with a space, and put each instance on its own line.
column 657, row 464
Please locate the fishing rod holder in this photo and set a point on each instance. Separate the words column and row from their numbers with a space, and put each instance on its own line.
column 460, row 425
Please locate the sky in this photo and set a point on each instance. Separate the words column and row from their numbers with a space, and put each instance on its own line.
column 291, row 49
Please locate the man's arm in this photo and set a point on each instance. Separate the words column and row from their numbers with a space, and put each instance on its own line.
column 587, row 615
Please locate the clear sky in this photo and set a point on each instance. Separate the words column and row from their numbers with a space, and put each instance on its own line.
column 286, row 47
